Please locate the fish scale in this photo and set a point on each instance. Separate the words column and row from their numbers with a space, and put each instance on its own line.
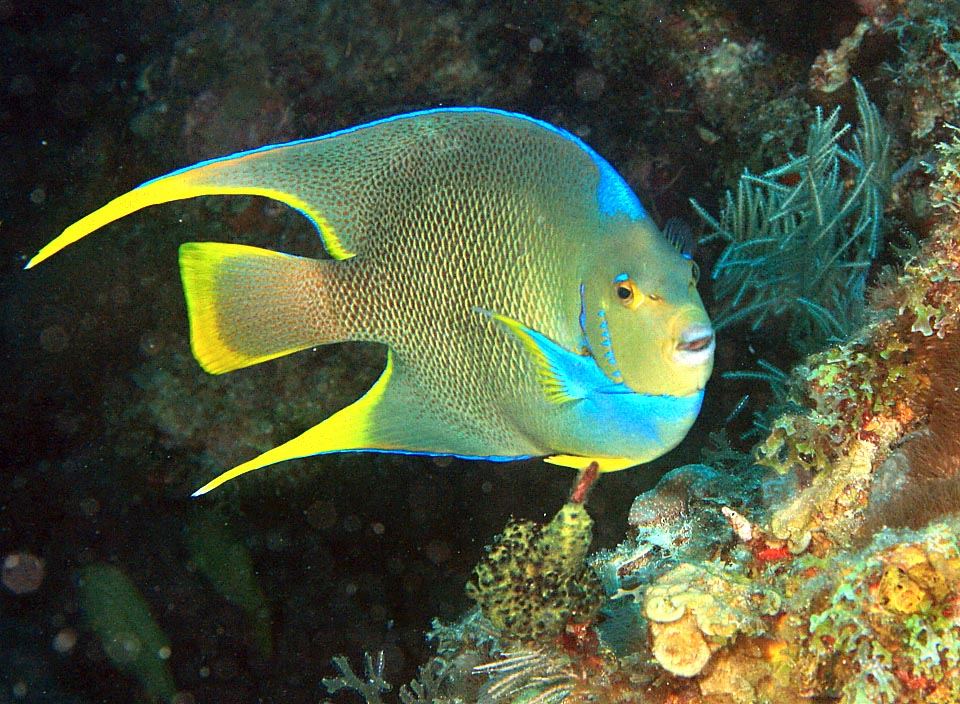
column 418, row 308
column 529, row 304
column 438, row 243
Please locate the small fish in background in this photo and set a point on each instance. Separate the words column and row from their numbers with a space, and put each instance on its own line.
column 530, row 306
column 225, row 561
column 115, row 610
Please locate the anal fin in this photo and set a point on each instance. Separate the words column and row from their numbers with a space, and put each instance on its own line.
column 350, row 428
column 384, row 419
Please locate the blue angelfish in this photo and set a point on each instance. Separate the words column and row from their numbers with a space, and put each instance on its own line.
column 530, row 306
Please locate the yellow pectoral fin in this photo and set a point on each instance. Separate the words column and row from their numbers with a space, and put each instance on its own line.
column 346, row 430
column 606, row 464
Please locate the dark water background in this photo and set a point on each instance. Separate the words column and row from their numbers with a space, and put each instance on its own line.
column 106, row 422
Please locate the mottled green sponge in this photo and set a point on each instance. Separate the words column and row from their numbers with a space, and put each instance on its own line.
column 534, row 579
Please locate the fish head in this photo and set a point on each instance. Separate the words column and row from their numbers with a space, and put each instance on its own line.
column 641, row 314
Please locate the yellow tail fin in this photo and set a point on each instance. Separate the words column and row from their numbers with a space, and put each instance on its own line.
column 247, row 305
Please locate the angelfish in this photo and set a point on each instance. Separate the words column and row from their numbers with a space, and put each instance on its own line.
column 529, row 305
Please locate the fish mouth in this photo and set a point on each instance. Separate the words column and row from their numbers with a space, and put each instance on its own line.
column 696, row 345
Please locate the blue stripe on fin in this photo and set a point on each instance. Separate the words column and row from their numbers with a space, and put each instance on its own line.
column 563, row 375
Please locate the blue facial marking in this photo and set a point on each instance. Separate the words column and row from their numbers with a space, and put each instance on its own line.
column 607, row 342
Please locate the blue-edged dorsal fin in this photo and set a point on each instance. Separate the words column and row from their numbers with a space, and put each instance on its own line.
column 560, row 372
column 336, row 180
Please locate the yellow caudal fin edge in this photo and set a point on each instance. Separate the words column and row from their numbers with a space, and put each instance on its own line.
column 247, row 305
column 232, row 175
column 606, row 464
column 346, row 430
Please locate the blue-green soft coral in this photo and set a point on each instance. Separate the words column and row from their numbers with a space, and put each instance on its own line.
column 801, row 237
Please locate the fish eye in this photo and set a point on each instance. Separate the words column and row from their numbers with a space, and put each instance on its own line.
column 695, row 272
column 627, row 292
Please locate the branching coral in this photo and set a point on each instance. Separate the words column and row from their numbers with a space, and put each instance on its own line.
column 798, row 593
column 801, row 237
column 436, row 681
column 725, row 592
column 370, row 686
column 877, row 386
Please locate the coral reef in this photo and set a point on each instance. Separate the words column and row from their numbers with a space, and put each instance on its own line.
column 831, row 69
column 817, row 568
column 694, row 610
column 861, row 398
column 723, row 592
column 946, row 188
column 800, row 590
column 924, row 72
column 889, row 631
column 926, row 75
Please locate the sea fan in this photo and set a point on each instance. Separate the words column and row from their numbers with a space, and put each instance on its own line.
column 801, row 237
